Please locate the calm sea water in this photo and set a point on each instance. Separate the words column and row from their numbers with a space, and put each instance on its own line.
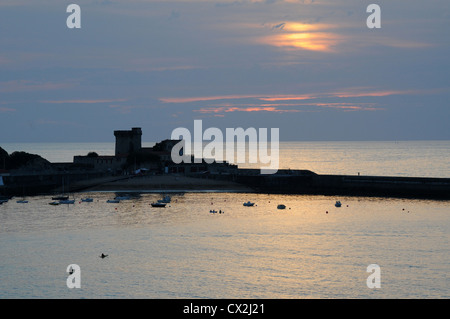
column 309, row 250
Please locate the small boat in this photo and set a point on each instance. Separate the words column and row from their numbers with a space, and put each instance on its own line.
column 3, row 201
column 212, row 211
column 54, row 203
column 113, row 201
column 87, row 200
column 22, row 201
column 158, row 204
column 60, row 198
column 281, row 206
column 338, row 204
column 249, row 204
column 67, row 201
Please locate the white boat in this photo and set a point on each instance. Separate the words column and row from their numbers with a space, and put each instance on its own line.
column 281, row 206
column 87, row 200
column 338, row 204
column 113, row 201
column 249, row 204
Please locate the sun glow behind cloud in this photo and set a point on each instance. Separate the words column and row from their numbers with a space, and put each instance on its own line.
column 297, row 35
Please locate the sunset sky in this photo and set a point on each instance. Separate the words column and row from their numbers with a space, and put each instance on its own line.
column 311, row 68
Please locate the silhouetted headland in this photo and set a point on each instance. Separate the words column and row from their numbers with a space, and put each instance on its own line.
column 135, row 168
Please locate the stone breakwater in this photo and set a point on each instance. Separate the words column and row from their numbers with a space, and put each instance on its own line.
column 240, row 180
column 383, row 186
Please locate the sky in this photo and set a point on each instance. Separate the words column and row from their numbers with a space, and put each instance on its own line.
column 311, row 68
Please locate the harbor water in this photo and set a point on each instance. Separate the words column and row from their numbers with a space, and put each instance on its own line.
column 310, row 249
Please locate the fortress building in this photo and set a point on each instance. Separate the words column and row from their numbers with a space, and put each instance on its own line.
column 129, row 153
column 128, row 142
column 130, row 156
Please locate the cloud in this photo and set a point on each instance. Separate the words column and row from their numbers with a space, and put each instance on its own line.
column 345, row 93
column 350, row 106
column 83, row 101
column 6, row 110
column 204, row 98
column 288, row 108
column 357, row 92
column 264, row 97
column 287, row 97
column 343, row 100
column 29, row 86
column 244, row 109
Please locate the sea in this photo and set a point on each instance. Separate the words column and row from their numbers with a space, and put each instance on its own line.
column 369, row 248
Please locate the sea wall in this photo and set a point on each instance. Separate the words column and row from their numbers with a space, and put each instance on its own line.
column 43, row 183
column 407, row 187
column 284, row 182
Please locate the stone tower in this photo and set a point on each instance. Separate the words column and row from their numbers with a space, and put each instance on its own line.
column 128, row 141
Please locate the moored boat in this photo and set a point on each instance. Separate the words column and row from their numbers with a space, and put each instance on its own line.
column 158, row 204
column 67, row 201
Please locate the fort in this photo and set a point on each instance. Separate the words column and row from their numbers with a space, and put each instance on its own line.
column 133, row 167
